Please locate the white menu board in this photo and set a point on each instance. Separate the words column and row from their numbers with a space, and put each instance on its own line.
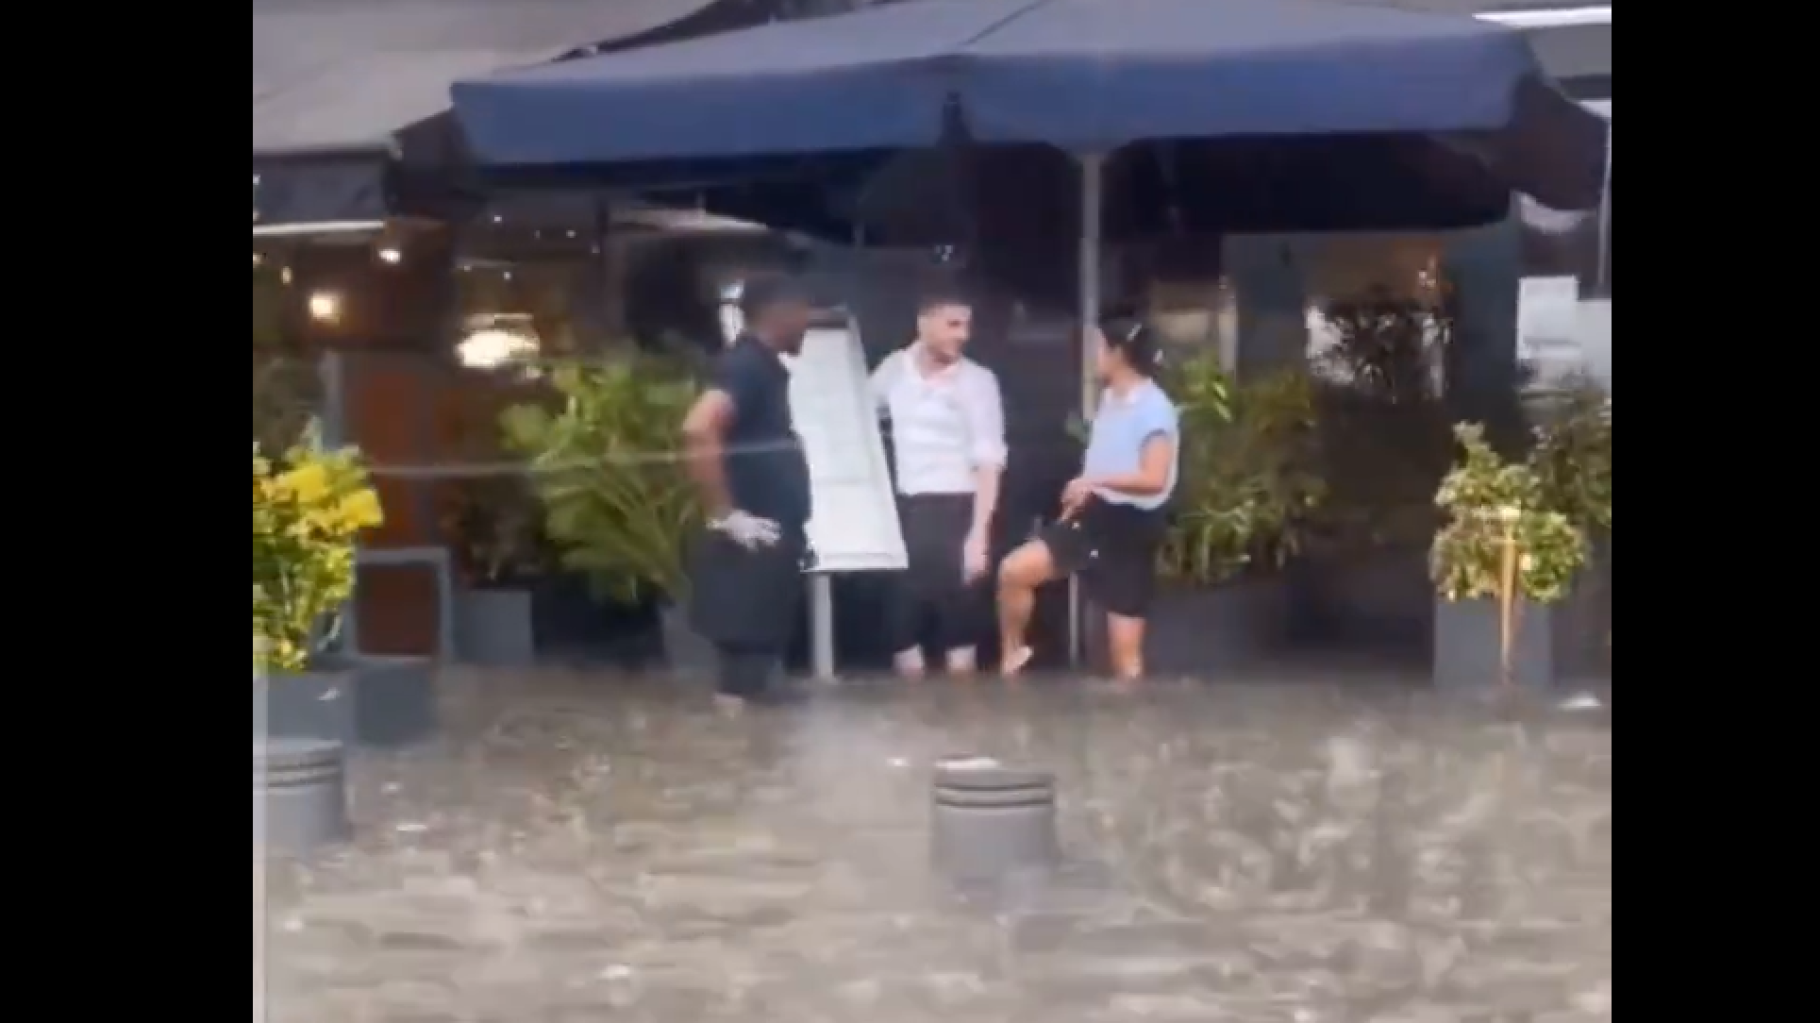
column 1548, row 322
column 1548, row 311
column 855, row 528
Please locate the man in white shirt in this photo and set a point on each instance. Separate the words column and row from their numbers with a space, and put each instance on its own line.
column 948, row 435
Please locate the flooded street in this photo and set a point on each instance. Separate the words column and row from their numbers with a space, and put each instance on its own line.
column 577, row 849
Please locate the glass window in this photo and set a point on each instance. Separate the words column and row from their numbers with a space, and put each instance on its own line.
column 1351, row 281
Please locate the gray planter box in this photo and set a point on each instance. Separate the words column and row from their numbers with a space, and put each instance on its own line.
column 493, row 628
column 1568, row 643
column 687, row 654
column 1382, row 601
column 1583, row 625
column 1199, row 632
column 1468, row 651
column 356, row 701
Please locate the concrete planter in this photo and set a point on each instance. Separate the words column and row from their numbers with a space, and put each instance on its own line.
column 355, row 701
column 687, row 654
column 300, row 799
column 493, row 628
column 1566, row 643
column 1206, row 631
column 1468, row 650
column 1382, row 601
column 990, row 821
column 574, row 625
column 1582, row 633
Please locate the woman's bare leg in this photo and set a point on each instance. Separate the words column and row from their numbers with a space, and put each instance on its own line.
column 1028, row 567
column 1125, row 645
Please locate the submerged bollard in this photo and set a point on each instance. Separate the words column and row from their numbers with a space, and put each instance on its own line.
column 990, row 820
column 300, row 799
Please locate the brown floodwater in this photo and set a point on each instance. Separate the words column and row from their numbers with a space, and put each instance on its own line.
column 1288, row 850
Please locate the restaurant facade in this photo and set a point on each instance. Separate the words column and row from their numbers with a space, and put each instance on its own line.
column 355, row 157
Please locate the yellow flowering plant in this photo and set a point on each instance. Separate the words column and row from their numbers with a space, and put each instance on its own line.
column 1494, row 508
column 308, row 509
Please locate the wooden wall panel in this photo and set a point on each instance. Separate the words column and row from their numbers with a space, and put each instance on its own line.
column 388, row 416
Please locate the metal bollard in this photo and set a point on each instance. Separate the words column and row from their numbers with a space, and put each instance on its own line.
column 990, row 821
column 300, row 797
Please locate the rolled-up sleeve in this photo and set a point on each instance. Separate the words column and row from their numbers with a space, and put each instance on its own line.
column 1158, row 418
column 985, row 409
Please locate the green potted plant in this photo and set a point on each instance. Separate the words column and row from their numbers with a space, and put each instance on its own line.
column 1247, row 487
column 309, row 508
column 1501, row 561
column 1573, row 463
column 618, row 504
column 500, row 549
column 286, row 385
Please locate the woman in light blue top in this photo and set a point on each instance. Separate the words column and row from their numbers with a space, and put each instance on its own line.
column 1112, row 515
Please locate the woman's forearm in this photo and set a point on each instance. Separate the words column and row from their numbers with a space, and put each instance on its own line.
column 1136, row 484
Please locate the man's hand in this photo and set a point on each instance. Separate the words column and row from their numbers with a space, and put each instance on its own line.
column 975, row 557
column 1075, row 495
column 747, row 530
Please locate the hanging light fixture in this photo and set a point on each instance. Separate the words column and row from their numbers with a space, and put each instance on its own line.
column 501, row 342
column 325, row 307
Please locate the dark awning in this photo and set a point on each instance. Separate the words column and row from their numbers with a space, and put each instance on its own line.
column 336, row 83
column 1573, row 53
column 335, row 75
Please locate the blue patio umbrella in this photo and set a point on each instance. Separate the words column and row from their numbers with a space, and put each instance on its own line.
column 1086, row 76
column 1082, row 75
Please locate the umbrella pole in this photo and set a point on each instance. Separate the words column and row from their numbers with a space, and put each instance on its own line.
column 1093, row 196
column 1605, row 217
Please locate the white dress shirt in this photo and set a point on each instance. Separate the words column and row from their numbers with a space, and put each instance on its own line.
column 945, row 425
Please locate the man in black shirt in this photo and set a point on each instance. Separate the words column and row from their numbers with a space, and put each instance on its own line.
column 754, row 480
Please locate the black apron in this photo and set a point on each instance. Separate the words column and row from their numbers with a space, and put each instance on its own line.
column 935, row 538
column 747, row 599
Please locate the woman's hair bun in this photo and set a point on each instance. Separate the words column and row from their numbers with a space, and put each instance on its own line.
column 1136, row 340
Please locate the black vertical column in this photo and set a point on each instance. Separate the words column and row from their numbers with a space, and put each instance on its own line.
column 1271, row 291
column 1483, row 269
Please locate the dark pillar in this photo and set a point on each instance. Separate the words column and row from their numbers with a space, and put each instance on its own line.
column 1272, row 297
column 1482, row 268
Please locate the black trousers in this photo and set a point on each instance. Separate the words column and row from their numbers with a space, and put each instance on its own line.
column 933, row 601
column 748, row 603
